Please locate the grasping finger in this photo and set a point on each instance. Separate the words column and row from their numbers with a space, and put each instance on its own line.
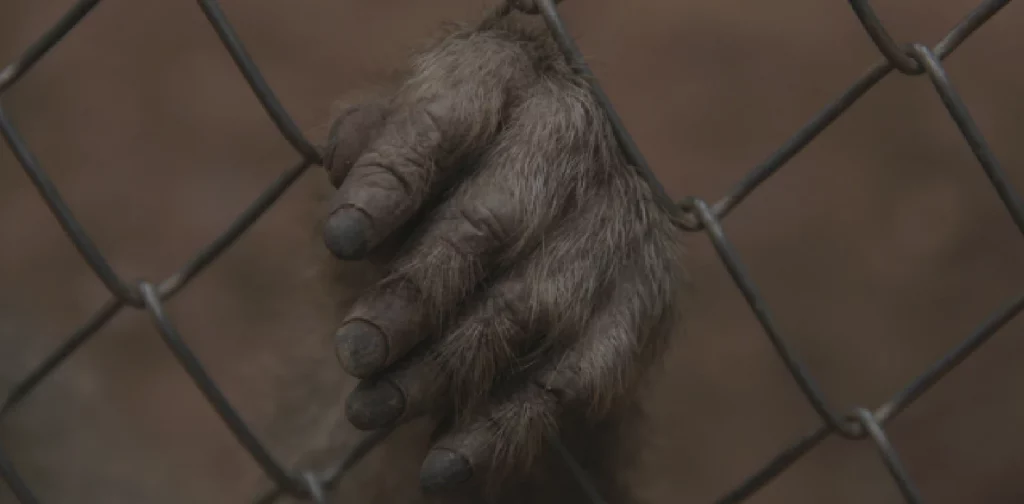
column 396, row 396
column 593, row 373
column 496, row 218
column 440, row 119
column 511, row 430
column 350, row 134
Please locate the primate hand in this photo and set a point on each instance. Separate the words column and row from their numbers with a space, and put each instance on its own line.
column 530, row 275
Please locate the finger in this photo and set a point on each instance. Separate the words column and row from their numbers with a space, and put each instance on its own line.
column 620, row 342
column 631, row 325
column 443, row 116
column 513, row 430
column 397, row 396
column 437, row 271
column 495, row 329
column 593, row 373
column 550, row 294
column 607, row 358
column 523, row 319
column 542, row 302
column 497, row 217
column 382, row 325
column 350, row 134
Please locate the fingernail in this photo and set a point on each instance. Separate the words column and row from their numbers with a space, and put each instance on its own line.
column 361, row 348
column 347, row 234
column 443, row 469
column 373, row 405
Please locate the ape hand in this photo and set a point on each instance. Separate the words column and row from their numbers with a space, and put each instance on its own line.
column 530, row 273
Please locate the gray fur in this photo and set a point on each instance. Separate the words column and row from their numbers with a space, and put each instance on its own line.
column 531, row 278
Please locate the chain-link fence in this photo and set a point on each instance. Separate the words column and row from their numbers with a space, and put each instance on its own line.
column 696, row 215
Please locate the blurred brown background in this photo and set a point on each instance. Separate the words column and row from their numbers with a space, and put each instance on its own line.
column 878, row 248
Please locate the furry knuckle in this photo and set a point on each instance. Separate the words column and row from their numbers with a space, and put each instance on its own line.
column 350, row 134
column 391, row 170
column 483, row 220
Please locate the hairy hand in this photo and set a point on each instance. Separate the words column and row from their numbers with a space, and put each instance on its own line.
column 530, row 274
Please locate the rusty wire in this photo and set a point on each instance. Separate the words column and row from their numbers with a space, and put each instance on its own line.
column 694, row 215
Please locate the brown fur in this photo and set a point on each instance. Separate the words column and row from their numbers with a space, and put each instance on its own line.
column 538, row 277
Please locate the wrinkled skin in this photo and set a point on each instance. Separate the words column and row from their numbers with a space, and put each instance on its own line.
column 530, row 279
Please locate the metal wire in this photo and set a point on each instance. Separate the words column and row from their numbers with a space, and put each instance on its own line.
column 695, row 215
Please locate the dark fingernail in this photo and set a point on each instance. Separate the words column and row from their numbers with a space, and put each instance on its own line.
column 443, row 469
column 347, row 234
column 362, row 348
column 373, row 405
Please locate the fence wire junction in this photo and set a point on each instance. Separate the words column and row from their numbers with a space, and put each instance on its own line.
column 696, row 215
